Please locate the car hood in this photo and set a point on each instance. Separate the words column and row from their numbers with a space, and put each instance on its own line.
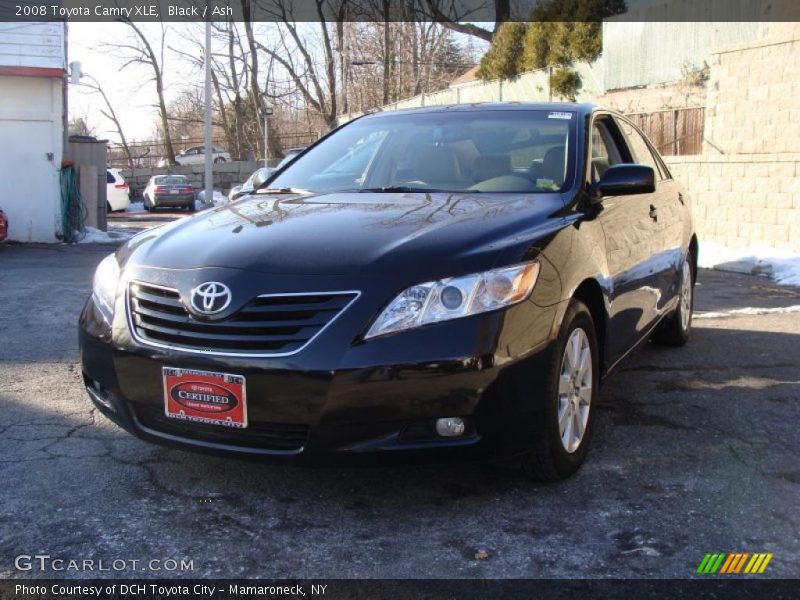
column 351, row 233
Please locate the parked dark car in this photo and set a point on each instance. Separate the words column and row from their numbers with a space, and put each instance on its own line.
column 168, row 190
column 3, row 226
column 247, row 187
column 446, row 283
column 262, row 174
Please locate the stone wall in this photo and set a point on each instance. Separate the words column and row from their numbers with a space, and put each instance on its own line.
column 752, row 98
column 743, row 200
column 226, row 175
column 746, row 184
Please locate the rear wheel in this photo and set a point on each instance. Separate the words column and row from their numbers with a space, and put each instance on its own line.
column 565, row 426
column 676, row 328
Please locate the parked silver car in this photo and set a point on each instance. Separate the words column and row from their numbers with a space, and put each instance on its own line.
column 168, row 190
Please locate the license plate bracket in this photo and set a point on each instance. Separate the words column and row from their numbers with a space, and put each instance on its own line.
column 206, row 397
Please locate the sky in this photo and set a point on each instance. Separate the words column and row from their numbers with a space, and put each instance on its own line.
column 130, row 90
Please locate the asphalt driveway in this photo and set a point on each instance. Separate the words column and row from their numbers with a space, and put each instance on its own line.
column 696, row 450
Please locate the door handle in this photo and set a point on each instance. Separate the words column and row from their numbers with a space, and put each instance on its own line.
column 653, row 213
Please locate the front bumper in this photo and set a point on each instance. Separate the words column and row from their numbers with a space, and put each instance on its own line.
column 381, row 402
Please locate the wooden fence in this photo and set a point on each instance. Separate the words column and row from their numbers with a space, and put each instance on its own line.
column 674, row 132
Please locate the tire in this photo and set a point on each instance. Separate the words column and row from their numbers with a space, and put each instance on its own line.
column 109, row 209
column 558, row 453
column 219, row 159
column 676, row 328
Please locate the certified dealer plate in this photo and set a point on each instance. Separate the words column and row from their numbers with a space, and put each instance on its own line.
column 205, row 397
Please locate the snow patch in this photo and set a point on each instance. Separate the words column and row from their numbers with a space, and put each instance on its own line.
column 218, row 197
column 112, row 236
column 747, row 311
column 135, row 207
column 783, row 266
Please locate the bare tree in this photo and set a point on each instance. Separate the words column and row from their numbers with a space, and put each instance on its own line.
column 110, row 114
column 140, row 51
column 80, row 126
column 443, row 12
column 312, row 70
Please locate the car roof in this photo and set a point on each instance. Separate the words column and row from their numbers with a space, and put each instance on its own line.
column 580, row 108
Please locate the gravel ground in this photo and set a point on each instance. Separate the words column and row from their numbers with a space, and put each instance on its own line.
column 695, row 451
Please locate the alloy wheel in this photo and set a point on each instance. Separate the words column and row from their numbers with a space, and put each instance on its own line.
column 575, row 390
column 686, row 295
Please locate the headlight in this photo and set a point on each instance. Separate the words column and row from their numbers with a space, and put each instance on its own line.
column 106, row 278
column 456, row 297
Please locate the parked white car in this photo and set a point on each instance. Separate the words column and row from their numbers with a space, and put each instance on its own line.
column 197, row 155
column 116, row 191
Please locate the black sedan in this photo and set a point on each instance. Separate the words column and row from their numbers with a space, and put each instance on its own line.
column 446, row 283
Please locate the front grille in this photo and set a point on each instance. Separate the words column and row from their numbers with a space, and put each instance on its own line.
column 284, row 437
column 267, row 325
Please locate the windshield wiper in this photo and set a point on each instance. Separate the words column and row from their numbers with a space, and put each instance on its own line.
column 283, row 190
column 398, row 188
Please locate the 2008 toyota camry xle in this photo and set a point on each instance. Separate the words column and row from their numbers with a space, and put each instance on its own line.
column 445, row 283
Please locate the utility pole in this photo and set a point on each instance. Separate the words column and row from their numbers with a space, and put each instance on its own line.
column 208, row 150
column 267, row 113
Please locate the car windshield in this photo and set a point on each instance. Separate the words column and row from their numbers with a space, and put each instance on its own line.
column 458, row 151
column 171, row 180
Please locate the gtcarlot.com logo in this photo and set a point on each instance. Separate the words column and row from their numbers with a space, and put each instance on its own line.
column 45, row 562
column 732, row 563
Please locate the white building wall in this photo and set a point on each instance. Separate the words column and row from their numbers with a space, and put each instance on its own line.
column 31, row 139
column 31, row 128
column 38, row 45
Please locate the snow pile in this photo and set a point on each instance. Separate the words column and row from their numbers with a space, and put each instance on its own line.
column 112, row 236
column 135, row 207
column 783, row 266
column 219, row 198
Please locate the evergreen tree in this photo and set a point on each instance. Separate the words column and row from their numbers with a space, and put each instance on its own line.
column 502, row 59
column 559, row 33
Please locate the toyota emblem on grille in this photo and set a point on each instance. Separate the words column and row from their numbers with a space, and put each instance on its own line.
column 211, row 297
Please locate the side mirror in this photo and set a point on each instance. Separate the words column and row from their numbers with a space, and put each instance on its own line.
column 261, row 176
column 625, row 180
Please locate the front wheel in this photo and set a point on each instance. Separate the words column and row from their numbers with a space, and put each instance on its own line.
column 564, row 426
column 676, row 328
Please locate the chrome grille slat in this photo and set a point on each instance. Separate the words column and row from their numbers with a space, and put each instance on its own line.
column 270, row 325
column 221, row 337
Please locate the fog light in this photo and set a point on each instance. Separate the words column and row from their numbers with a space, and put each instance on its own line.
column 98, row 392
column 450, row 427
